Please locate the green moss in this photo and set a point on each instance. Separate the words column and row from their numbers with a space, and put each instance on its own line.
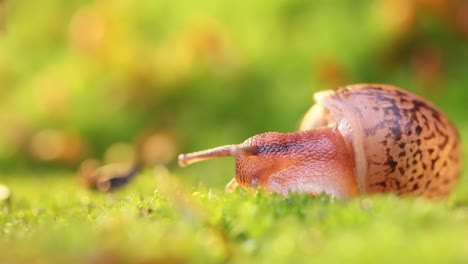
column 51, row 219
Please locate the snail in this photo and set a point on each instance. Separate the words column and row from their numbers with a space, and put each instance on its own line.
column 357, row 140
column 109, row 177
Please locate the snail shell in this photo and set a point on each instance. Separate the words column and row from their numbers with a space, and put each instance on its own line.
column 401, row 142
column 360, row 139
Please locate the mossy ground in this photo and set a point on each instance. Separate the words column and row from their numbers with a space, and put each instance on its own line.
column 158, row 219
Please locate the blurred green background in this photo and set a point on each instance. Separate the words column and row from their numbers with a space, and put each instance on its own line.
column 121, row 80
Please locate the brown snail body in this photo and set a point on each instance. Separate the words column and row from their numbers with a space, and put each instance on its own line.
column 360, row 139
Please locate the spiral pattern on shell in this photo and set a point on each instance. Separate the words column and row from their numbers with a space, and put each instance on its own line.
column 401, row 142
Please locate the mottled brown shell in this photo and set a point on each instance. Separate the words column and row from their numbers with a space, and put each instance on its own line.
column 401, row 142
